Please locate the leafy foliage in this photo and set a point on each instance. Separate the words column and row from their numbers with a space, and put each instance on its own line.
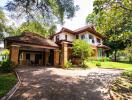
column 42, row 10
column 98, row 63
column 2, row 23
column 113, row 18
column 82, row 49
column 36, row 27
column 68, row 64
column 6, row 66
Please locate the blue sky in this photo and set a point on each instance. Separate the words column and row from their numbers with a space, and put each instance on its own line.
column 86, row 7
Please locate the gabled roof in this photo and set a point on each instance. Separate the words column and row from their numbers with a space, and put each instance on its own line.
column 32, row 38
column 104, row 46
column 88, row 28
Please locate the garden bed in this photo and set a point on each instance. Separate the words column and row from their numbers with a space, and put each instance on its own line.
column 7, row 81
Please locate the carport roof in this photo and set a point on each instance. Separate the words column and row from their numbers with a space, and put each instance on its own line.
column 31, row 38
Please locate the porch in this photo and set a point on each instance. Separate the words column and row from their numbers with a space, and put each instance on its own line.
column 32, row 49
column 21, row 54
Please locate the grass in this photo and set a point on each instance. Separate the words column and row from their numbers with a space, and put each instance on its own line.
column 7, row 81
column 107, row 64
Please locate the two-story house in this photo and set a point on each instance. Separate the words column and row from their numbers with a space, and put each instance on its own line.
column 87, row 33
column 33, row 49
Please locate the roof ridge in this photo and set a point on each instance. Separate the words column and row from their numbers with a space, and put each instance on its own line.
column 25, row 33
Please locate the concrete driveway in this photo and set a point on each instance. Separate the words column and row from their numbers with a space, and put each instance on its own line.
column 61, row 84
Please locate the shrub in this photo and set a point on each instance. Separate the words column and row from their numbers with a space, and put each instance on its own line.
column 98, row 64
column 68, row 64
column 105, row 59
column 127, row 73
column 6, row 66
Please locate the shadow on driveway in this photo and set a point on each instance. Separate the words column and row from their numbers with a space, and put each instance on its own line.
column 44, row 84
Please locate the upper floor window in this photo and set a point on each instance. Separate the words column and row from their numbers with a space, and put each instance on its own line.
column 98, row 40
column 57, row 38
column 77, row 37
column 91, row 38
column 66, row 37
column 83, row 36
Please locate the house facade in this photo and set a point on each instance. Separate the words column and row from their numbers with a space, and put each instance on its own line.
column 33, row 49
column 88, row 34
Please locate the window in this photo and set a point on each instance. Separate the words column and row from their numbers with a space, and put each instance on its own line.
column 98, row 40
column 57, row 38
column 66, row 37
column 91, row 38
column 77, row 37
column 93, row 41
column 82, row 36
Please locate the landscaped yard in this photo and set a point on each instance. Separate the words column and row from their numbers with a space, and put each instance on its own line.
column 107, row 64
column 7, row 81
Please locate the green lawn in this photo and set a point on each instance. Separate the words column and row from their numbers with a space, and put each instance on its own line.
column 116, row 65
column 7, row 81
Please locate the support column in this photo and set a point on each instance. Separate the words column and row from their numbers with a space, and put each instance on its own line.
column 56, row 57
column 14, row 54
column 46, row 58
column 64, row 51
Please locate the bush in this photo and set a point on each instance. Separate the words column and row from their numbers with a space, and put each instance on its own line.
column 106, row 59
column 68, row 64
column 127, row 73
column 6, row 66
column 98, row 64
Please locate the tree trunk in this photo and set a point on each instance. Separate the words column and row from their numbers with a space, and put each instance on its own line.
column 115, row 57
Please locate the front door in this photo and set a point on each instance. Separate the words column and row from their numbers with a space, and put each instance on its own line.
column 38, row 58
column 51, row 57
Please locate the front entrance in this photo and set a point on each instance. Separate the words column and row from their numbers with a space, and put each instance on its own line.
column 51, row 57
column 38, row 58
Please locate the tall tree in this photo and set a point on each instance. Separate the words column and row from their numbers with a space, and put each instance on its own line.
column 113, row 18
column 2, row 23
column 42, row 10
column 36, row 27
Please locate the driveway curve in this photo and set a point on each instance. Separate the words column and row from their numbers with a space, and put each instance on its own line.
column 39, row 83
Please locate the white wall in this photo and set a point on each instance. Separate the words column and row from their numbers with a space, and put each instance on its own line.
column 70, row 37
column 88, row 40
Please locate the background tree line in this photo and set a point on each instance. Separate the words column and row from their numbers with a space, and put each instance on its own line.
column 113, row 18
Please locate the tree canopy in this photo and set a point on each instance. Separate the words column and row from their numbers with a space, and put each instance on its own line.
column 113, row 18
column 36, row 27
column 81, row 49
column 42, row 10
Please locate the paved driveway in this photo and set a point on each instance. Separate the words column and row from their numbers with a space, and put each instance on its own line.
column 61, row 84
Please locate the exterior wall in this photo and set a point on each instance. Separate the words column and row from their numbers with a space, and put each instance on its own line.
column 14, row 53
column 87, row 38
column 70, row 37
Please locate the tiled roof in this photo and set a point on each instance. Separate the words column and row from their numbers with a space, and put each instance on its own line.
column 32, row 38
column 88, row 28
column 103, row 46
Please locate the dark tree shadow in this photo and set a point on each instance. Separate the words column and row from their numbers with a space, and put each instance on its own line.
column 43, row 84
